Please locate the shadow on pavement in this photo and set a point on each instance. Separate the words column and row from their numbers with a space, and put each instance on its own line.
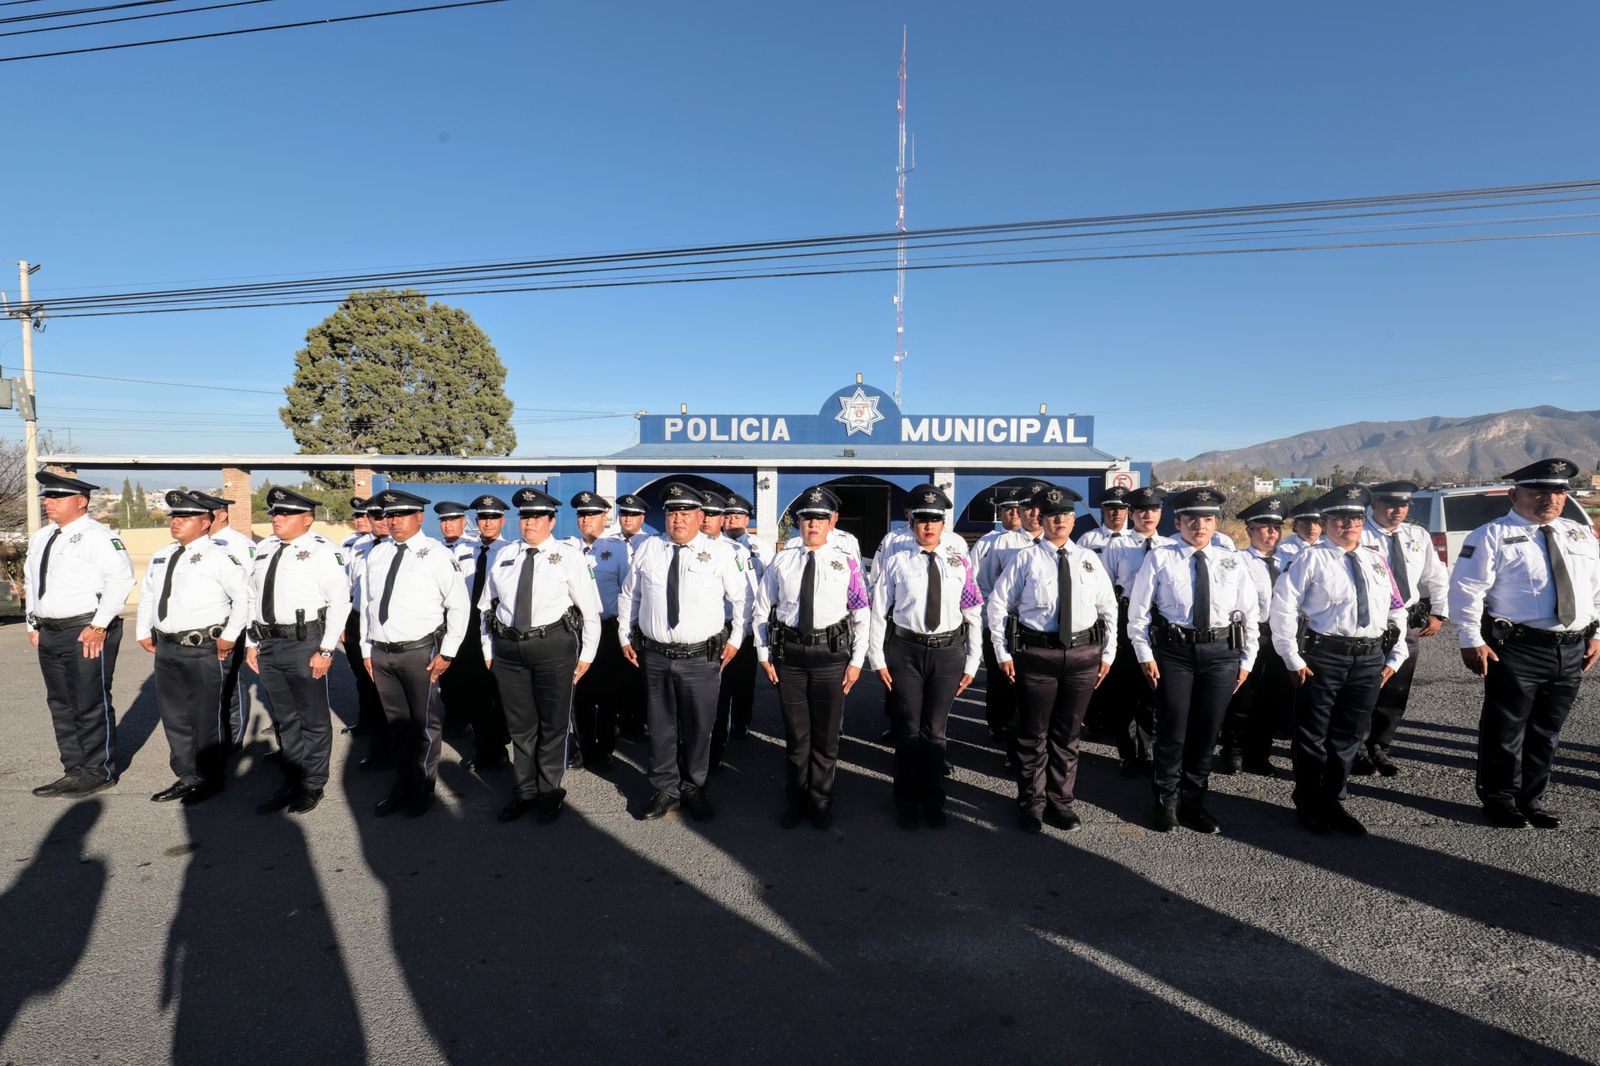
column 138, row 722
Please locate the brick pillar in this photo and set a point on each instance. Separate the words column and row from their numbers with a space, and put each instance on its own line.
column 363, row 481
column 236, row 487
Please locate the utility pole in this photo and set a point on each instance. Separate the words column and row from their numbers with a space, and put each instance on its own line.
column 30, row 410
column 901, row 170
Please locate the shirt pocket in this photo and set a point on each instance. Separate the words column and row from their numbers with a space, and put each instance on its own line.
column 1523, row 565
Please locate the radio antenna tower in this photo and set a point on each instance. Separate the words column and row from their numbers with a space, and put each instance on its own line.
column 901, row 170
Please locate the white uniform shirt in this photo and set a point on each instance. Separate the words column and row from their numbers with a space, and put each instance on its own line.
column 1099, row 537
column 241, row 544
column 900, row 593
column 838, row 591
column 348, row 545
column 1290, row 545
column 562, row 579
column 1165, row 583
column 758, row 553
column 636, row 540
column 355, row 563
column 469, row 565
column 210, row 586
column 1001, row 551
column 1317, row 585
column 1425, row 574
column 608, row 558
column 1127, row 554
column 428, row 593
column 1262, row 575
column 904, row 539
column 1503, row 571
column 310, row 578
column 980, row 548
column 712, row 590
column 1030, row 588
column 836, row 536
column 89, row 573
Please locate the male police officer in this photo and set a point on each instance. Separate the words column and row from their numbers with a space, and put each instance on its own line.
column 736, row 699
column 1066, row 615
column 1350, row 604
column 1267, row 695
column 298, row 595
column 1113, row 504
column 631, row 510
column 1193, row 620
column 193, row 607
column 681, row 614
column 236, row 709
column 455, row 707
column 1525, row 599
column 1133, row 704
column 77, row 576
column 599, row 690
column 1423, row 585
column 471, row 677
column 1307, row 522
column 999, row 696
column 369, row 707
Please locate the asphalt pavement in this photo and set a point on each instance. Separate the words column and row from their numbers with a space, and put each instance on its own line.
column 135, row 932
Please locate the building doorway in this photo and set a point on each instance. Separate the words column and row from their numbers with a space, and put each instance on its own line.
column 864, row 509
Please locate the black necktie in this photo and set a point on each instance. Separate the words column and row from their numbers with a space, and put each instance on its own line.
column 269, row 588
column 932, row 612
column 1272, row 567
column 672, row 588
column 388, row 585
column 1566, row 600
column 1063, row 592
column 1202, row 592
column 522, row 613
column 1363, row 616
column 1397, row 566
column 166, row 584
column 1148, row 544
column 44, row 560
column 478, row 570
column 808, row 578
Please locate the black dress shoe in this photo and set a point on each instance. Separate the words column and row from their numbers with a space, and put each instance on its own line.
column 176, row 790
column 279, row 799
column 822, row 817
column 305, row 801
column 1164, row 819
column 661, row 805
column 1362, row 766
column 518, row 806
column 420, row 804
column 549, row 809
column 1030, row 822
column 1386, row 766
column 887, row 738
column 56, row 787
column 698, row 804
column 87, row 785
column 1066, row 821
column 1229, row 762
column 1313, row 820
column 1343, row 821
column 201, row 792
column 601, row 763
column 1196, row 817
column 792, row 817
column 393, row 803
column 1542, row 819
column 1505, row 816
column 935, row 817
column 574, row 759
column 1262, row 766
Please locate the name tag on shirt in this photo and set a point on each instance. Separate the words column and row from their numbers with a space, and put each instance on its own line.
column 1514, row 540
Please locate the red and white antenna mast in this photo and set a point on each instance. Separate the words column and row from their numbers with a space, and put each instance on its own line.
column 901, row 170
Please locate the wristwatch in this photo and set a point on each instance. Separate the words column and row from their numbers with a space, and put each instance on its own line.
column 98, row 629
column 447, row 658
column 325, row 654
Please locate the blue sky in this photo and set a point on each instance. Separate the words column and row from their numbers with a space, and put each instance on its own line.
column 527, row 129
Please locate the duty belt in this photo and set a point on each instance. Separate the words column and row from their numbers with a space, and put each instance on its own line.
column 568, row 621
column 826, row 635
column 77, row 621
column 930, row 640
column 1516, row 632
column 708, row 649
column 1038, row 638
column 1172, row 633
column 299, row 629
column 393, row 647
column 1343, row 645
column 189, row 638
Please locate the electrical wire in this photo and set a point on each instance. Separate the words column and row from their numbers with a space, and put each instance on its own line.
column 134, row 18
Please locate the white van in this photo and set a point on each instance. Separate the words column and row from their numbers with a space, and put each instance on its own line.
column 1450, row 514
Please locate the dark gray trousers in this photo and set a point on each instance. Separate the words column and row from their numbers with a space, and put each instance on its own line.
column 811, row 695
column 1332, row 711
column 78, row 693
column 535, row 681
column 298, row 702
column 681, row 707
column 188, row 681
column 1526, row 700
column 406, row 693
column 925, row 681
column 1053, row 689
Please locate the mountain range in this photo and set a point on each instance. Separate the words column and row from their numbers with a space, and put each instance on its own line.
column 1478, row 446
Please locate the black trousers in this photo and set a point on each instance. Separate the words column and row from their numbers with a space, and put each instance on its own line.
column 811, row 696
column 78, row 693
column 925, row 681
column 1526, row 699
column 234, row 700
column 999, row 695
column 187, row 681
column 1332, row 712
column 1265, row 699
column 535, row 681
column 475, row 688
column 736, row 697
column 681, row 704
column 1130, row 715
column 415, row 726
column 1393, row 697
column 1054, row 686
column 298, row 702
column 595, row 700
column 1191, row 700
column 631, row 699
column 369, row 706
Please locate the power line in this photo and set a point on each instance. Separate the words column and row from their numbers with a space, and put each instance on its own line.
column 134, row 18
column 39, row 15
column 252, row 29
column 169, row 384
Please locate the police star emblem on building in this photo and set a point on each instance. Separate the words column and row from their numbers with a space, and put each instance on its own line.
column 859, row 412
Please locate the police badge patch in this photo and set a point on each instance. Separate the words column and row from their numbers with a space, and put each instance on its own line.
column 704, row 557
column 1229, row 564
column 1088, row 567
column 303, row 554
column 79, row 536
column 555, row 557
column 604, row 556
column 196, row 557
column 423, row 554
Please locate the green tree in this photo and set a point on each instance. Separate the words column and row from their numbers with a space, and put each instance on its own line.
column 392, row 373
column 126, row 511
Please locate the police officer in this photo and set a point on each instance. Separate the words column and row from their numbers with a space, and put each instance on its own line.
column 1132, row 703
column 1525, row 599
column 599, row 690
column 631, row 510
column 1193, row 619
column 1423, row 585
column 361, row 527
column 369, row 707
column 471, row 675
column 1008, row 509
column 413, row 619
column 681, row 614
column 926, row 624
column 999, row 698
column 905, row 539
column 541, row 624
column 1267, row 695
column 1350, row 603
column 812, row 624
column 1113, row 504
column 1060, row 648
column 236, row 706
column 454, row 708
column 298, row 593
column 736, row 690
column 77, row 576
column 193, row 606
column 1307, row 524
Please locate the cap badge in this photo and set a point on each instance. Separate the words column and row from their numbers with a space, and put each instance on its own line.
column 815, row 496
column 674, row 491
column 928, row 497
column 1054, row 496
column 1352, row 493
